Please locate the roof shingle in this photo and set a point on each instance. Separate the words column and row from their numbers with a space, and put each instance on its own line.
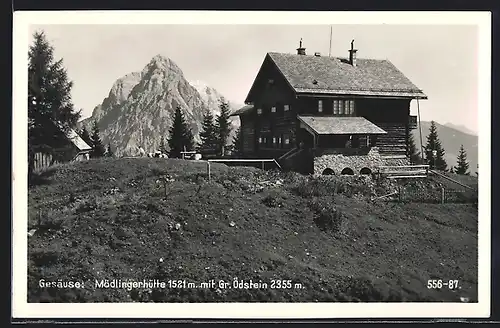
column 335, row 75
column 242, row 110
column 340, row 125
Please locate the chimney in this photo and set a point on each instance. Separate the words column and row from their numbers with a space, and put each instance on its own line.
column 300, row 50
column 352, row 54
column 317, row 54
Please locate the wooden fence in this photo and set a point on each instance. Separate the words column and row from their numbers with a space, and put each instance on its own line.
column 236, row 160
column 433, row 196
column 43, row 160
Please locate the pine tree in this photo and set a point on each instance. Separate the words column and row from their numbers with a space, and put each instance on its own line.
column 208, row 134
column 163, row 146
column 222, row 126
column 462, row 164
column 237, row 146
column 413, row 153
column 181, row 137
column 50, row 110
column 84, row 134
column 109, row 152
column 434, row 144
column 98, row 149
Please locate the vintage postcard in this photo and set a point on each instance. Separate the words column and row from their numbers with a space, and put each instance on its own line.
column 191, row 164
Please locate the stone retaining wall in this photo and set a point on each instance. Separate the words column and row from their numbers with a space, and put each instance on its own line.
column 337, row 160
column 355, row 159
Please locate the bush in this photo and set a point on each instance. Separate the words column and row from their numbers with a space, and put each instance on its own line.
column 327, row 218
column 315, row 188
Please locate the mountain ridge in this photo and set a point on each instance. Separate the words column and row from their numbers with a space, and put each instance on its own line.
column 139, row 106
column 451, row 139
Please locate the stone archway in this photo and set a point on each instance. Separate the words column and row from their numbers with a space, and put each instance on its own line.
column 328, row 171
column 365, row 171
column 347, row 171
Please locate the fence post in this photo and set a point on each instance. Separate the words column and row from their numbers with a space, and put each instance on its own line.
column 263, row 165
column 399, row 193
column 442, row 195
column 208, row 170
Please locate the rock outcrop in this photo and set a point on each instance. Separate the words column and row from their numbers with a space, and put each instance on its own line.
column 138, row 110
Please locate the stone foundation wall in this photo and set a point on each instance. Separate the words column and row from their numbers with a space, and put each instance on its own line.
column 337, row 161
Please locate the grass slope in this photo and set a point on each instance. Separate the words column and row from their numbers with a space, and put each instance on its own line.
column 111, row 219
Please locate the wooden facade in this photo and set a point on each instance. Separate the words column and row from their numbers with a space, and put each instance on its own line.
column 270, row 126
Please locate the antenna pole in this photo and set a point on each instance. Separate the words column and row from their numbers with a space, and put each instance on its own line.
column 330, row 49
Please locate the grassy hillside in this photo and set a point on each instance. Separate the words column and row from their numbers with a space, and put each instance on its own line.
column 451, row 139
column 113, row 219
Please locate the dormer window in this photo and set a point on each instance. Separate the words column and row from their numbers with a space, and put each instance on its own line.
column 273, row 109
column 259, row 111
column 320, row 106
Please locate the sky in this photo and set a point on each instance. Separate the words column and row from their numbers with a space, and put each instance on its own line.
column 442, row 60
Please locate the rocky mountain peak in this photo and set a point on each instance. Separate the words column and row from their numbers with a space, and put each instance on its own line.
column 160, row 63
column 138, row 110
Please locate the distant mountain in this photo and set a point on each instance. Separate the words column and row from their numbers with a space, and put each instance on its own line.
column 139, row 107
column 451, row 139
column 461, row 128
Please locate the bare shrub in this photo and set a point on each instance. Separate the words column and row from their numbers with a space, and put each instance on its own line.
column 327, row 218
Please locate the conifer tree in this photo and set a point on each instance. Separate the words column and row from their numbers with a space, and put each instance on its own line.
column 181, row 137
column 222, row 126
column 208, row 134
column 413, row 153
column 237, row 146
column 462, row 164
column 50, row 110
column 98, row 149
column 434, row 144
column 84, row 134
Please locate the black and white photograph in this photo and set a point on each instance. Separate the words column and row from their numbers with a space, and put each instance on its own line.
column 294, row 164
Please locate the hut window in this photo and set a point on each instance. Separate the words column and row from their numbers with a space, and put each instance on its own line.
column 274, row 140
column 286, row 108
column 341, row 107
column 287, row 141
column 336, row 107
column 273, row 109
column 320, row 106
column 259, row 111
column 351, row 107
column 260, row 140
column 367, row 141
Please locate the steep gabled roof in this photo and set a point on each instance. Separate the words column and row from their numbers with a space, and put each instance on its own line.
column 334, row 75
column 340, row 125
column 75, row 138
column 78, row 141
column 242, row 110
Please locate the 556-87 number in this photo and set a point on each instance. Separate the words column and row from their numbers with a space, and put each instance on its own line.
column 438, row 284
